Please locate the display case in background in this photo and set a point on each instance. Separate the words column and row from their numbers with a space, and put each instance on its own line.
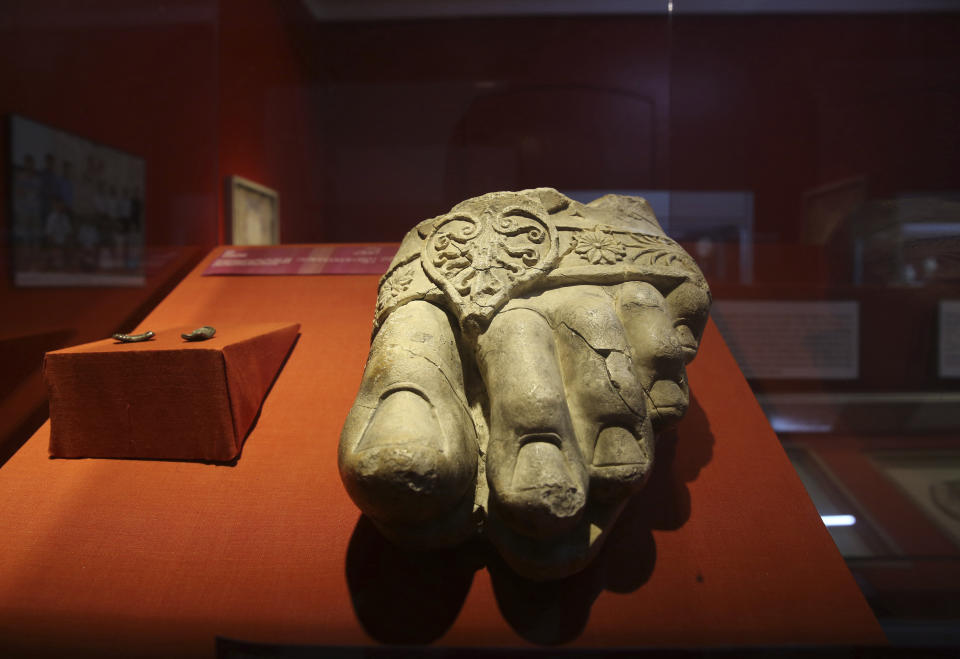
column 807, row 154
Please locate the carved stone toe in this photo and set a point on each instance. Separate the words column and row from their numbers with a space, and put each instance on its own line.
column 544, row 499
column 398, row 472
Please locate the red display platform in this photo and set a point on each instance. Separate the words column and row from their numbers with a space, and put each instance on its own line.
column 155, row 558
column 165, row 398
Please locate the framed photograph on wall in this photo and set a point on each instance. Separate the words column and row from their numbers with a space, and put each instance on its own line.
column 76, row 209
column 254, row 212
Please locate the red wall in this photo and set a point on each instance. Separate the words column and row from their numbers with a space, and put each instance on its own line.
column 364, row 126
column 130, row 75
column 780, row 105
column 136, row 76
column 359, row 126
column 417, row 115
column 264, row 116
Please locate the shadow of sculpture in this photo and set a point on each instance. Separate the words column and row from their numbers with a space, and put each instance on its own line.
column 407, row 597
column 557, row 612
column 414, row 597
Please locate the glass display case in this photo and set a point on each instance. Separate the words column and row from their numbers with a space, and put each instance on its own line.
column 807, row 154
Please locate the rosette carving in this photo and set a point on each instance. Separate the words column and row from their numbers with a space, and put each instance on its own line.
column 598, row 246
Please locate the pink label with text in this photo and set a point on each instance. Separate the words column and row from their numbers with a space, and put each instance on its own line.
column 282, row 260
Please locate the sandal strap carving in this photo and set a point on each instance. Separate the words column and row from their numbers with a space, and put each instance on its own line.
column 503, row 245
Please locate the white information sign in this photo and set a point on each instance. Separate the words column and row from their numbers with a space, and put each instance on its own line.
column 949, row 352
column 815, row 340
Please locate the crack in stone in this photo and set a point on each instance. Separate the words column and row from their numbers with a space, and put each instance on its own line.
column 603, row 352
column 646, row 392
column 406, row 261
column 606, row 366
column 536, row 311
column 452, row 386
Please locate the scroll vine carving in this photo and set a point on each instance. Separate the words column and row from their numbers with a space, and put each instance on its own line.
column 481, row 262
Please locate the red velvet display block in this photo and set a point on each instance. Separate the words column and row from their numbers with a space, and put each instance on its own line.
column 166, row 398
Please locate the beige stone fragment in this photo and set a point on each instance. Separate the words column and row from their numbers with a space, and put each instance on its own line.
column 527, row 348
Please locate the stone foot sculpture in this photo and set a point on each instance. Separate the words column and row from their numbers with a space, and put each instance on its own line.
column 527, row 348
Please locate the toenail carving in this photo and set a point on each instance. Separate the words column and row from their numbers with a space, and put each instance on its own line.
column 617, row 446
column 540, row 465
column 547, row 438
column 526, row 348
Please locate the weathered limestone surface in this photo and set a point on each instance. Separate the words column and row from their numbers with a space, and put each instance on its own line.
column 527, row 348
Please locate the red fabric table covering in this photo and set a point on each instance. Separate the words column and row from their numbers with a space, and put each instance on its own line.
column 132, row 557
